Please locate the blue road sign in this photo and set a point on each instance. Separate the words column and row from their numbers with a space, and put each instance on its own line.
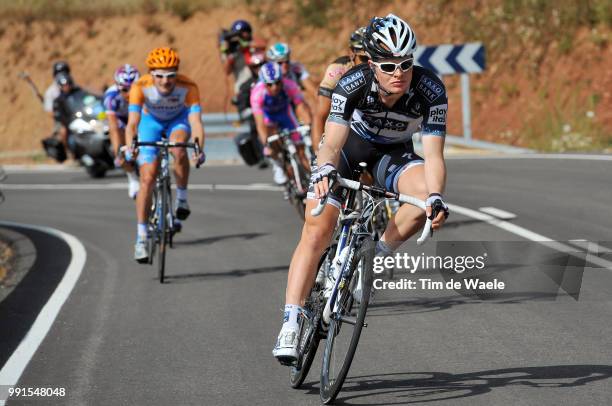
column 451, row 59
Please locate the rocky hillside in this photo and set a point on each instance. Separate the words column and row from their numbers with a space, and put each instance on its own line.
column 547, row 85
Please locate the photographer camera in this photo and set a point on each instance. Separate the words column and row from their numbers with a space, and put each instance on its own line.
column 234, row 47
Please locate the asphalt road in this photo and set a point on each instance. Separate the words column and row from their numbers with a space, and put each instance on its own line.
column 205, row 337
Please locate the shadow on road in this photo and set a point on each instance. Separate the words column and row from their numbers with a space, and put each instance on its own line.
column 424, row 387
column 212, row 240
column 235, row 273
column 391, row 307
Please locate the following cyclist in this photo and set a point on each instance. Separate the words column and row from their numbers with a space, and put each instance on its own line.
column 375, row 109
column 272, row 99
column 162, row 102
column 333, row 73
column 116, row 100
column 281, row 53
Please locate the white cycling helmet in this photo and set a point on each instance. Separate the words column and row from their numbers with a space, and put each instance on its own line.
column 389, row 37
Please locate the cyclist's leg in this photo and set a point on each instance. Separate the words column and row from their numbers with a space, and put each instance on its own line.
column 316, row 235
column 149, row 130
column 128, row 167
column 402, row 171
column 180, row 131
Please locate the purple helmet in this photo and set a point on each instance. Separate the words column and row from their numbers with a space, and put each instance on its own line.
column 270, row 72
column 125, row 75
column 241, row 26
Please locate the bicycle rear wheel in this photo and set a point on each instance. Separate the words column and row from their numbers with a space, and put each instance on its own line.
column 310, row 334
column 346, row 325
column 163, row 231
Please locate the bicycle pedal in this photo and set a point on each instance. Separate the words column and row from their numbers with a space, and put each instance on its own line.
column 287, row 361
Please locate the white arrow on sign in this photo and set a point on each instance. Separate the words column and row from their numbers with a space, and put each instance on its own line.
column 438, row 59
column 466, row 58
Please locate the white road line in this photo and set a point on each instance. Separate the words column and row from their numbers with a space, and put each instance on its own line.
column 16, row 364
column 530, row 235
column 537, row 156
column 123, row 186
column 591, row 246
column 499, row 213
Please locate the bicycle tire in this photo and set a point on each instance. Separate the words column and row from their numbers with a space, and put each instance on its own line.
column 314, row 304
column 163, row 232
column 331, row 386
column 152, row 226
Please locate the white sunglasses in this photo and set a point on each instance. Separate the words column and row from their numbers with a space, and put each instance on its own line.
column 161, row 75
column 390, row 67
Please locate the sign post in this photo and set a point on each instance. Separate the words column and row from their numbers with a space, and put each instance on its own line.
column 452, row 59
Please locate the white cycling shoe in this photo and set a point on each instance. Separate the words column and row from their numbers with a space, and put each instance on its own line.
column 279, row 175
column 141, row 254
column 133, row 188
column 286, row 348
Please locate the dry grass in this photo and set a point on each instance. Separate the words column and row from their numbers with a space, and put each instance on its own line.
column 6, row 255
column 60, row 10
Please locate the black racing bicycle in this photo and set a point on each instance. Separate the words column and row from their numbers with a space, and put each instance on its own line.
column 161, row 222
column 297, row 173
column 337, row 304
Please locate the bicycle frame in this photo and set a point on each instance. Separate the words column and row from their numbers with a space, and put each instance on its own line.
column 355, row 226
column 290, row 155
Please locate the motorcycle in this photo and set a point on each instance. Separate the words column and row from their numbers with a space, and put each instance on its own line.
column 88, row 135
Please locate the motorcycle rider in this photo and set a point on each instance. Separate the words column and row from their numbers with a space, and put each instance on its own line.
column 61, row 111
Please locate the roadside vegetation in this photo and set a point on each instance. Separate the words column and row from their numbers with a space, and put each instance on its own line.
column 522, row 37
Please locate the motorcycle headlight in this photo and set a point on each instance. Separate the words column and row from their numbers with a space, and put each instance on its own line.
column 80, row 126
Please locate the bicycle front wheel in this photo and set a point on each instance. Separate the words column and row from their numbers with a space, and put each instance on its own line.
column 347, row 322
column 310, row 329
column 163, row 230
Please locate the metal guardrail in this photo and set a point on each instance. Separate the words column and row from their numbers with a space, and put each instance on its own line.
column 222, row 123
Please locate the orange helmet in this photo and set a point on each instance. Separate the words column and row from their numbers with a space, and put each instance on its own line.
column 163, row 58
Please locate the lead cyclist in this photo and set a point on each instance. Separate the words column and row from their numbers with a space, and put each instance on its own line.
column 162, row 102
column 375, row 110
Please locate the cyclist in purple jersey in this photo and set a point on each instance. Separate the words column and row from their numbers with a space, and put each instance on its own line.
column 272, row 101
column 116, row 104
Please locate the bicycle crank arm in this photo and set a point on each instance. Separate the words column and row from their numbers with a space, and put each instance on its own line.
column 350, row 320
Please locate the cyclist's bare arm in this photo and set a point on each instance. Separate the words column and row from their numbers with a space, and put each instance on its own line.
column 132, row 127
column 321, row 112
column 262, row 131
column 335, row 137
column 113, row 129
column 310, row 88
column 303, row 112
column 197, row 129
column 435, row 170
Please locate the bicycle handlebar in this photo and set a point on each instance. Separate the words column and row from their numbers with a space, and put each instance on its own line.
column 303, row 130
column 355, row 185
column 164, row 143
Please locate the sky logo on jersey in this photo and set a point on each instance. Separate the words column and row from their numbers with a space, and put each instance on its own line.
column 437, row 114
column 352, row 81
column 430, row 89
column 338, row 103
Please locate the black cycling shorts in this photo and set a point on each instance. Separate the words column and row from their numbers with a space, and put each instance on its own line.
column 386, row 162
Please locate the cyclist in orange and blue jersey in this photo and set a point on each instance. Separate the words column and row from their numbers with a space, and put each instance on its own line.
column 162, row 103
